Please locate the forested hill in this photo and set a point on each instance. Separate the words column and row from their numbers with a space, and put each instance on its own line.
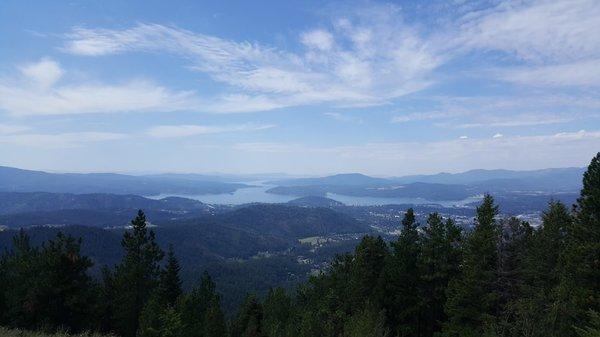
column 503, row 278
column 19, row 202
column 18, row 180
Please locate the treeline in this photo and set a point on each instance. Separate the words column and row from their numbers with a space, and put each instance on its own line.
column 502, row 278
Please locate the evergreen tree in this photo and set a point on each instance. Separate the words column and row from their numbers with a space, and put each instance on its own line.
column 201, row 311
column 366, row 323
column 579, row 288
column 48, row 287
column 170, row 283
column 366, row 270
column 515, row 240
column 162, row 298
column 439, row 264
column 136, row 276
column 278, row 314
column 472, row 303
column 249, row 320
column 541, row 273
column 401, row 288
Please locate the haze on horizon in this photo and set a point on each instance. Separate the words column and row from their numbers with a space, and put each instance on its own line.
column 307, row 88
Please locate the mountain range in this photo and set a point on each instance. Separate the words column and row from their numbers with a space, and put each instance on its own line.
column 18, row 180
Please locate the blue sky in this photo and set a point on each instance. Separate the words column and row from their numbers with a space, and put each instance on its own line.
column 303, row 87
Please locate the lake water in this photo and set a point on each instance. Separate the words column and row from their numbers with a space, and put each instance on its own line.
column 258, row 193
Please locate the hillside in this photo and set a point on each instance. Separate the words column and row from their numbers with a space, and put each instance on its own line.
column 428, row 191
column 552, row 179
column 18, row 180
column 19, row 202
column 315, row 201
column 291, row 221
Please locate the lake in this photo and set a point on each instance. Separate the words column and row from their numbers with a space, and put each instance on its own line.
column 258, row 193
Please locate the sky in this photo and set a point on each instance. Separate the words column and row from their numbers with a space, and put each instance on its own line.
column 300, row 87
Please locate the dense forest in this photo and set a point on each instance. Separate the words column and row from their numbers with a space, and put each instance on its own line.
column 500, row 278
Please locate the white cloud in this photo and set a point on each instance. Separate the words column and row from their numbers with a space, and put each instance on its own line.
column 538, row 31
column 557, row 40
column 319, row 39
column 430, row 115
column 498, row 135
column 7, row 129
column 343, row 117
column 43, row 73
column 174, row 131
column 18, row 97
column 584, row 73
column 516, row 120
column 378, row 59
column 59, row 140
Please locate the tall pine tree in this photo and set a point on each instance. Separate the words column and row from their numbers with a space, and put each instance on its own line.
column 401, row 288
column 439, row 264
column 472, row 303
column 136, row 276
column 579, row 288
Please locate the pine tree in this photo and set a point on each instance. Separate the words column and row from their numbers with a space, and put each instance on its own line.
column 472, row 303
column 201, row 311
column 368, row 322
column 249, row 320
column 136, row 276
column 541, row 273
column 439, row 264
column 401, row 288
column 512, row 273
column 366, row 270
column 579, row 288
column 278, row 314
column 170, row 283
column 48, row 287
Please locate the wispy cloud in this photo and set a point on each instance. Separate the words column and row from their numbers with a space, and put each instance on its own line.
column 357, row 60
column 59, row 140
column 343, row 117
column 557, row 41
column 7, row 129
column 36, row 92
column 176, row 131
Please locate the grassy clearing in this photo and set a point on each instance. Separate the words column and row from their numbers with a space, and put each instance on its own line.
column 22, row 333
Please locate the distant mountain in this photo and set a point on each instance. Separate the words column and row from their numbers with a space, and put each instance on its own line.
column 18, row 180
column 225, row 178
column 315, row 201
column 346, row 179
column 437, row 187
column 20, row 202
column 552, row 179
column 428, row 191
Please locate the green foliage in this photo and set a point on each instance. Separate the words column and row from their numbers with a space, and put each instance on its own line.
column 136, row 276
column 47, row 287
column 501, row 279
column 593, row 329
column 201, row 311
column 249, row 320
column 366, row 323
column 439, row 264
column 579, row 287
column 278, row 314
column 472, row 302
column 401, row 290
column 170, row 282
